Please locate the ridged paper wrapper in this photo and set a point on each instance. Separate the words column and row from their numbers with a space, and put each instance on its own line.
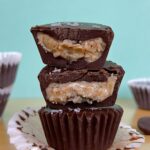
column 82, row 129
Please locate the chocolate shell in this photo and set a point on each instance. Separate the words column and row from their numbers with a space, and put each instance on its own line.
column 81, row 129
column 76, row 32
column 50, row 75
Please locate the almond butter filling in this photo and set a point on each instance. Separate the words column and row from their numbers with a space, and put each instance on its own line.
column 81, row 91
column 90, row 50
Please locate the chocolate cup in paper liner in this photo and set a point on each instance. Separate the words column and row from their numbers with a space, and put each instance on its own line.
column 26, row 133
column 4, row 95
column 82, row 129
column 9, row 62
column 141, row 91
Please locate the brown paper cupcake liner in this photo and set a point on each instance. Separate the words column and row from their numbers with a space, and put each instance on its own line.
column 26, row 133
column 141, row 91
column 73, row 129
column 9, row 62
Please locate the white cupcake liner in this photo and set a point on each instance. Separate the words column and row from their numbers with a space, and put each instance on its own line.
column 5, row 90
column 26, row 133
column 9, row 62
column 141, row 91
column 10, row 58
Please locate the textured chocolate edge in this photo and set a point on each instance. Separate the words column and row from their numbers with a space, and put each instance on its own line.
column 93, row 128
column 7, row 74
column 3, row 102
column 45, row 78
column 83, row 31
column 106, row 33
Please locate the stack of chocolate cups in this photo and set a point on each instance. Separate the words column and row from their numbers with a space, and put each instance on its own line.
column 79, row 86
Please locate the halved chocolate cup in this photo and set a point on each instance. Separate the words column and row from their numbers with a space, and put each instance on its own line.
column 63, row 88
column 73, row 45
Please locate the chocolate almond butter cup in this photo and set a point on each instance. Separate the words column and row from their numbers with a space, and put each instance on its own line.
column 82, row 129
column 73, row 45
column 64, row 88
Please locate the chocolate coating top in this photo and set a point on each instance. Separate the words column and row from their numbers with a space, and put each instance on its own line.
column 78, row 31
column 80, row 110
column 49, row 75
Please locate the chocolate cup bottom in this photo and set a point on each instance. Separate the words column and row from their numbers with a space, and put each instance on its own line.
column 88, row 128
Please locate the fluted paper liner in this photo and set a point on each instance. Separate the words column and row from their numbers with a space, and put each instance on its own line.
column 141, row 91
column 26, row 133
column 73, row 129
column 9, row 62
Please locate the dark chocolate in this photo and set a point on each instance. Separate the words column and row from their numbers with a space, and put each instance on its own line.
column 144, row 125
column 84, row 129
column 51, row 75
column 79, row 32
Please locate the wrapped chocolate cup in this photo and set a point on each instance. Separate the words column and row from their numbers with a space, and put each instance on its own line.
column 88, row 128
column 9, row 62
column 79, row 88
column 141, row 91
column 73, row 45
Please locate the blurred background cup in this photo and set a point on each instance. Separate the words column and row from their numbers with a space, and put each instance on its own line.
column 140, row 89
column 9, row 62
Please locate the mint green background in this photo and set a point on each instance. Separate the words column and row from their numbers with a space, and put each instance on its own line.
column 130, row 20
